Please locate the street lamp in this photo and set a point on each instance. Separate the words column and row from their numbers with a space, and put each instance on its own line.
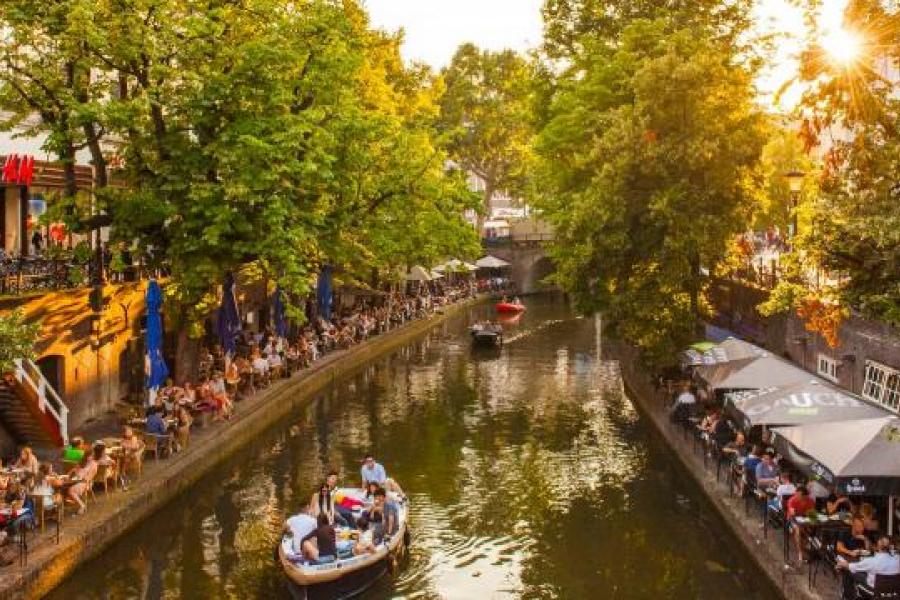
column 795, row 184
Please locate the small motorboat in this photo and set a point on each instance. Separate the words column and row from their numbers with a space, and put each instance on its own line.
column 348, row 576
column 487, row 335
column 509, row 307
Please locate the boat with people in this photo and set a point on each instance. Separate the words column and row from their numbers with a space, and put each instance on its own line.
column 486, row 334
column 345, row 541
column 505, row 306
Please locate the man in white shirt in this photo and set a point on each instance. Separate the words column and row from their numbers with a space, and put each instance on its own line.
column 864, row 571
column 372, row 472
column 260, row 365
column 299, row 526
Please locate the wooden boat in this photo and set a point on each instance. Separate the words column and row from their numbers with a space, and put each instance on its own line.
column 347, row 576
column 509, row 307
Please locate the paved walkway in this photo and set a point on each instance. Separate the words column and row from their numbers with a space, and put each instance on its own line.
column 110, row 516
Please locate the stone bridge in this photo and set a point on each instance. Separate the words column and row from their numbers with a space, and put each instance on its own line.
column 527, row 255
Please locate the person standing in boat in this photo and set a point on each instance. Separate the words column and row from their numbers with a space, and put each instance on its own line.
column 372, row 472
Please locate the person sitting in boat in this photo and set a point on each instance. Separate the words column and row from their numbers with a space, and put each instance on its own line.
column 322, row 502
column 371, row 489
column 393, row 488
column 372, row 471
column 382, row 518
column 320, row 545
column 297, row 528
column 516, row 301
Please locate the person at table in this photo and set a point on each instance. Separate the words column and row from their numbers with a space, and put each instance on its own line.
column 737, row 448
column 45, row 486
column 132, row 451
column 220, row 396
column 83, row 474
column 865, row 571
column 798, row 506
column 851, row 544
column 74, row 451
column 183, row 422
column 819, row 492
column 785, row 489
column 748, row 477
column 866, row 512
column 28, row 462
column 839, row 502
column 372, row 472
column 320, row 546
column 155, row 422
column 766, row 471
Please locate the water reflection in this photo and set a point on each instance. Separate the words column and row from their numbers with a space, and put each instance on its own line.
column 531, row 476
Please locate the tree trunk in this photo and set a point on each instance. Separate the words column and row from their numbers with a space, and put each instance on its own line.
column 485, row 205
column 695, row 288
column 187, row 354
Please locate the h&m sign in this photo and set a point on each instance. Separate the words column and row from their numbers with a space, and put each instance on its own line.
column 18, row 170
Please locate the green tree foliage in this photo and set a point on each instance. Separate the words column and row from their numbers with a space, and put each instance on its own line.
column 486, row 111
column 851, row 112
column 647, row 173
column 276, row 134
column 17, row 339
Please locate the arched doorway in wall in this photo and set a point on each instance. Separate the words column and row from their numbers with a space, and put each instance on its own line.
column 52, row 368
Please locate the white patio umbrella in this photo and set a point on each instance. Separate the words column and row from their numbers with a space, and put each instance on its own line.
column 491, row 262
column 435, row 274
column 418, row 273
column 470, row 267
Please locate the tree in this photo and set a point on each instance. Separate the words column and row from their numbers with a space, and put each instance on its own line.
column 486, row 111
column 647, row 170
column 850, row 111
column 17, row 339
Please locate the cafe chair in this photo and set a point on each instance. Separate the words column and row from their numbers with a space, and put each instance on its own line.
column 157, row 444
column 42, row 513
column 105, row 473
column 887, row 587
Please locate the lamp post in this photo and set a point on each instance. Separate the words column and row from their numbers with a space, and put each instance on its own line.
column 795, row 184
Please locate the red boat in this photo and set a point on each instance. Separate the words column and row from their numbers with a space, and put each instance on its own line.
column 509, row 307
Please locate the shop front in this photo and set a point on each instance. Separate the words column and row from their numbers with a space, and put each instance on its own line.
column 28, row 187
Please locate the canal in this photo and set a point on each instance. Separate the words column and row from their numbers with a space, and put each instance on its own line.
column 530, row 475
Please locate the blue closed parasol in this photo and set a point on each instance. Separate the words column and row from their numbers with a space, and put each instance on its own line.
column 157, row 371
column 228, row 324
column 323, row 293
column 278, row 313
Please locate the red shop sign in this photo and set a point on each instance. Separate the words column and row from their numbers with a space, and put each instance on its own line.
column 18, row 169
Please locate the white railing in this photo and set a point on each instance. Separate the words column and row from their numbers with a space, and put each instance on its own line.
column 28, row 374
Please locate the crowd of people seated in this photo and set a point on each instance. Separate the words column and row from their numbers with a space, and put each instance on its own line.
column 336, row 524
column 789, row 498
column 263, row 357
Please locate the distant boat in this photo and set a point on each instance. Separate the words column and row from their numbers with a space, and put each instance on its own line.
column 488, row 337
column 509, row 307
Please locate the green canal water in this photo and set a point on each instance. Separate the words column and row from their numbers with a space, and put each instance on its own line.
column 531, row 475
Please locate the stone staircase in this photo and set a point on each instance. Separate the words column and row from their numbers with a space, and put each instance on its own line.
column 31, row 411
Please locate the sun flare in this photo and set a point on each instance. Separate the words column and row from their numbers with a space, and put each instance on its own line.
column 843, row 46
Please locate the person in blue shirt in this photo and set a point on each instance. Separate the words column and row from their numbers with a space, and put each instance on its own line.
column 155, row 423
column 372, row 472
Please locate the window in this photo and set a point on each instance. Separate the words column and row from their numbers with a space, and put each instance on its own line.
column 827, row 368
column 882, row 385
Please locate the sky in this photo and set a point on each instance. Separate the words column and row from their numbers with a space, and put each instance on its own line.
column 435, row 28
